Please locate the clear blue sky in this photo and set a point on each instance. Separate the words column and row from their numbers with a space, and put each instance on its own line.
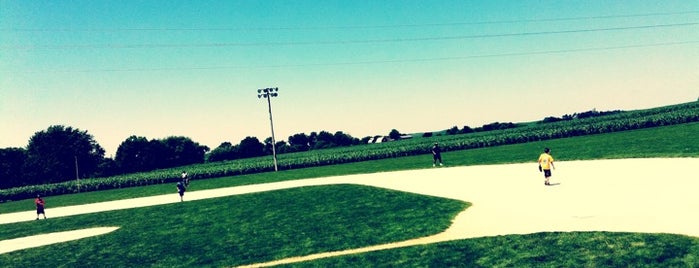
column 192, row 68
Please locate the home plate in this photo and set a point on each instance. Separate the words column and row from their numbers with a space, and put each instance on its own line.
column 51, row 238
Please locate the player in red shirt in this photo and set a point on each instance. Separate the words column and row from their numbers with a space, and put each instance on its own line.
column 39, row 202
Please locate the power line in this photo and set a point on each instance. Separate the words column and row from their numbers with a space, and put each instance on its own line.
column 300, row 28
column 454, row 58
column 347, row 42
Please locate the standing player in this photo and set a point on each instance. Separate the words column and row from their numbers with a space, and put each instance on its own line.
column 185, row 178
column 39, row 202
column 181, row 189
column 546, row 164
column 436, row 155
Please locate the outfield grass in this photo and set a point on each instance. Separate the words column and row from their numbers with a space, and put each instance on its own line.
column 574, row 249
column 266, row 226
column 238, row 230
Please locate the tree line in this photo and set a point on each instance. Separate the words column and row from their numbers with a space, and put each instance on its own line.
column 252, row 147
column 63, row 153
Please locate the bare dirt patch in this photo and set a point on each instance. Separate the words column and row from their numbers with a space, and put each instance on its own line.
column 51, row 238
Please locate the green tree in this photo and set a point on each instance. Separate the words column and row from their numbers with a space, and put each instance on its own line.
column 324, row 140
column 250, row 147
column 280, row 146
column 182, row 151
column 342, row 139
column 108, row 167
column 394, row 134
column 299, row 142
column 225, row 151
column 138, row 154
column 453, row 131
column 312, row 139
column 11, row 167
column 466, row 130
column 52, row 155
column 133, row 155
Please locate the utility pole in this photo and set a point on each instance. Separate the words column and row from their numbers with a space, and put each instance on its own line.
column 268, row 93
column 77, row 176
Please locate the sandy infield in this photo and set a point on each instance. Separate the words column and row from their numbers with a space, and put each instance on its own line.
column 52, row 238
column 626, row 195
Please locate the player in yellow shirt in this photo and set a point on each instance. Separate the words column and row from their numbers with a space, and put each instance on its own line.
column 546, row 164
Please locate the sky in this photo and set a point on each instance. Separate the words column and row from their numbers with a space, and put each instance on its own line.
column 192, row 68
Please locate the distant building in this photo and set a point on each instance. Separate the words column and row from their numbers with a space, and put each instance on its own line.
column 381, row 139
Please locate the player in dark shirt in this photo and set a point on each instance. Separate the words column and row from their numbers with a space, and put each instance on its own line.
column 181, row 189
column 436, row 155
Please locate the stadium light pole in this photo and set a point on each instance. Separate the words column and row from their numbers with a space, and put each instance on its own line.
column 268, row 93
column 77, row 176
